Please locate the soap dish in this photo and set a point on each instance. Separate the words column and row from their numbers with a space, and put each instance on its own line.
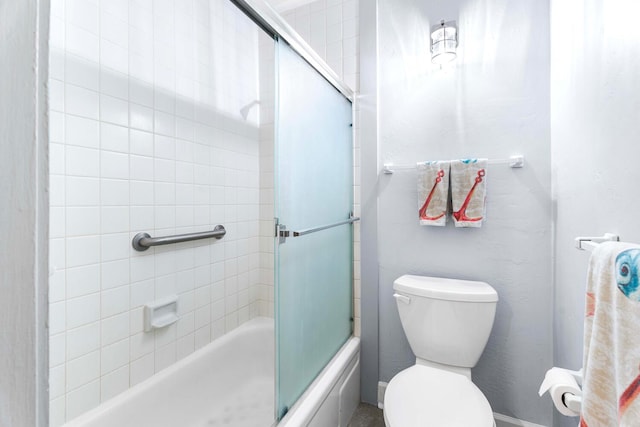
column 161, row 313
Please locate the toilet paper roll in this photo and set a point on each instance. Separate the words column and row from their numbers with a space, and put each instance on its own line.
column 558, row 381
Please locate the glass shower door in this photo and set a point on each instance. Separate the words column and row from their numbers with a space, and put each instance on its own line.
column 314, row 198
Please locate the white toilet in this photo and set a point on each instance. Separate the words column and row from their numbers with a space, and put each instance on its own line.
column 447, row 323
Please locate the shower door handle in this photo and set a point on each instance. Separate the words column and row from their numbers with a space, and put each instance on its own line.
column 282, row 233
column 351, row 220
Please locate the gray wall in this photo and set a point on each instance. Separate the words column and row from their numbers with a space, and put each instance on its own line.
column 595, row 123
column 493, row 104
column 367, row 102
column 24, row 216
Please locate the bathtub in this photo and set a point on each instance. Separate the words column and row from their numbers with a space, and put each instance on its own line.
column 230, row 382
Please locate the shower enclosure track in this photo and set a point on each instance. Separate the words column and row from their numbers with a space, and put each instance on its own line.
column 264, row 15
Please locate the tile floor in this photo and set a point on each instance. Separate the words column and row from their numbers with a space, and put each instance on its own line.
column 367, row 416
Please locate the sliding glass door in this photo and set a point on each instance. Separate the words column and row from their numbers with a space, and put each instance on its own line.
column 314, row 249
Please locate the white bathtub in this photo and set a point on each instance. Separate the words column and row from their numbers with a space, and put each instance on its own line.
column 230, row 382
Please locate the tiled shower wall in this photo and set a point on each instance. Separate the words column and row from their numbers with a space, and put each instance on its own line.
column 265, row 289
column 147, row 134
column 331, row 28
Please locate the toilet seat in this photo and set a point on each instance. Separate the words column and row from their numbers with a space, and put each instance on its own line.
column 422, row 396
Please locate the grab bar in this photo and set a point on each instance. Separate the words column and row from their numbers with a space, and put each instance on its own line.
column 324, row 227
column 142, row 241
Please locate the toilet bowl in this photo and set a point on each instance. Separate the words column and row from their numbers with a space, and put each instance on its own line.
column 429, row 397
column 447, row 323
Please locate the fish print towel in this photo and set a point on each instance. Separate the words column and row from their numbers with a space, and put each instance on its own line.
column 433, row 192
column 611, row 382
column 468, row 191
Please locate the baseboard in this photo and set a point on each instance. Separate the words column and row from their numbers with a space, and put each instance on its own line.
column 505, row 421
column 382, row 388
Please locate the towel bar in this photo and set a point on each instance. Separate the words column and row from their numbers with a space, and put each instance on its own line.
column 513, row 162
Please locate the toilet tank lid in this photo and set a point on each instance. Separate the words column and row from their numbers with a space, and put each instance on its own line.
column 445, row 289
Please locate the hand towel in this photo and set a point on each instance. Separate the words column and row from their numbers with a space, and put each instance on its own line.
column 468, row 191
column 611, row 382
column 433, row 192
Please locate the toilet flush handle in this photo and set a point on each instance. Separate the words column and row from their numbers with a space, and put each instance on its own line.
column 403, row 298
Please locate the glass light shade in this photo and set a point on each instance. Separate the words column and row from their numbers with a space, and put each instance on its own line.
column 444, row 40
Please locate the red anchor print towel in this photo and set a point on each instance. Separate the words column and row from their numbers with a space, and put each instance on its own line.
column 468, row 183
column 611, row 385
column 433, row 190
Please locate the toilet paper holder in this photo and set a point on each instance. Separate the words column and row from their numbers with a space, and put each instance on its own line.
column 570, row 401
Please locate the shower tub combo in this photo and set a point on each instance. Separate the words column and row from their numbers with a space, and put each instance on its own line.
column 230, row 382
column 301, row 368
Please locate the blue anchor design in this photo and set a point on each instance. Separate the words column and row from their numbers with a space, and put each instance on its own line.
column 627, row 269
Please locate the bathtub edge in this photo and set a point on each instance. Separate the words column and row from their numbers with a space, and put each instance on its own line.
column 312, row 400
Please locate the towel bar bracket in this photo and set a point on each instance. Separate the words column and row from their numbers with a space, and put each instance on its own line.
column 590, row 243
column 516, row 161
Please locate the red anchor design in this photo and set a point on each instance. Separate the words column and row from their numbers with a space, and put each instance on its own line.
column 423, row 209
column 590, row 304
column 461, row 215
column 629, row 395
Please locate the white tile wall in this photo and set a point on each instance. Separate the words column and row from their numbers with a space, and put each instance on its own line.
column 331, row 28
column 263, row 292
column 146, row 135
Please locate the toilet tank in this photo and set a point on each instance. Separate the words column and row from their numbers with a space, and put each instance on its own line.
column 446, row 321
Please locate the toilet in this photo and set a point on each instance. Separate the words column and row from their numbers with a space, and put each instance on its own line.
column 447, row 323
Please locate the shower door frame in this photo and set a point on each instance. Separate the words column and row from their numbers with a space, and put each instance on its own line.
column 273, row 24
column 293, row 286
column 270, row 21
